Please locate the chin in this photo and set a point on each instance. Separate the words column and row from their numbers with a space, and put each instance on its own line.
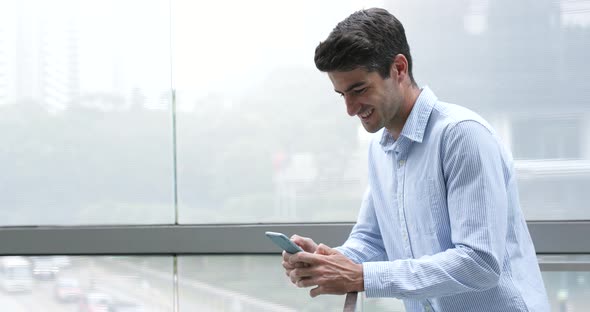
column 371, row 129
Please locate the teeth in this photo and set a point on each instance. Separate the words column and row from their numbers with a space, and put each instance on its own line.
column 367, row 113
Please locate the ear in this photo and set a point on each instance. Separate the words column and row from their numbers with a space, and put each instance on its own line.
column 399, row 68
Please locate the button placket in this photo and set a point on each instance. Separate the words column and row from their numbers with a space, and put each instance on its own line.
column 427, row 307
column 401, row 207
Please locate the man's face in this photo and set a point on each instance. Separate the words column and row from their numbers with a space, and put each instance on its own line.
column 373, row 99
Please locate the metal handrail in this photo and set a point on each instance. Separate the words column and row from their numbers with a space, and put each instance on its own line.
column 350, row 302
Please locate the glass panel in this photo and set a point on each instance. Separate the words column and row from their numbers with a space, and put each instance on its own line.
column 381, row 305
column 64, row 283
column 568, row 291
column 209, row 283
column 244, row 283
column 568, row 288
column 85, row 114
column 263, row 138
column 258, row 283
column 496, row 60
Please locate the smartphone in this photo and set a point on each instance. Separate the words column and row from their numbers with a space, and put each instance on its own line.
column 284, row 242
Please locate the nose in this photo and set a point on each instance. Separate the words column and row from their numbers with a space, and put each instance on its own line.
column 352, row 107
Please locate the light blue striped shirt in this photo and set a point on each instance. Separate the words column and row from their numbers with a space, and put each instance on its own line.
column 440, row 224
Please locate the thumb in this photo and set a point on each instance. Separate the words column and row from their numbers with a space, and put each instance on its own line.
column 325, row 250
column 304, row 242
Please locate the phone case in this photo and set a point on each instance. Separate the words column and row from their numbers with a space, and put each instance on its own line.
column 284, row 242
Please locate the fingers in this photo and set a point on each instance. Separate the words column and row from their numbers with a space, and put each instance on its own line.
column 288, row 266
column 305, row 242
column 291, row 263
column 325, row 250
column 303, row 277
column 309, row 259
column 324, row 290
column 298, row 267
column 286, row 257
column 326, row 269
column 300, row 273
column 288, row 272
column 291, row 266
column 313, row 258
column 316, row 291
column 307, row 282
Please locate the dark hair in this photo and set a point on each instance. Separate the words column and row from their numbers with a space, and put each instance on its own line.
column 368, row 38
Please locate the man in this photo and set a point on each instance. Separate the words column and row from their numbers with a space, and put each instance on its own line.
column 440, row 224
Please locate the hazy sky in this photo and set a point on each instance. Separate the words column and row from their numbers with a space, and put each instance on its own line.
column 213, row 47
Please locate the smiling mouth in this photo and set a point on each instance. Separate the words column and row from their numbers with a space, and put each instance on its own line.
column 366, row 114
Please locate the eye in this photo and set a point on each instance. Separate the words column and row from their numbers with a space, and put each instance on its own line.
column 359, row 91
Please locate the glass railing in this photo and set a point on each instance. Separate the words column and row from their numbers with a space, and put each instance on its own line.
column 213, row 283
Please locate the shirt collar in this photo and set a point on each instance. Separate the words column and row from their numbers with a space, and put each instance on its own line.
column 415, row 125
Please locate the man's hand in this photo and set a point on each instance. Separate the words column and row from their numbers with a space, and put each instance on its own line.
column 307, row 244
column 329, row 270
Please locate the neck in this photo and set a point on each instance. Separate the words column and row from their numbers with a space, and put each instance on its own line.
column 409, row 99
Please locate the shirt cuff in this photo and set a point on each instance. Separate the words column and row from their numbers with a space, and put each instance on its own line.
column 377, row 279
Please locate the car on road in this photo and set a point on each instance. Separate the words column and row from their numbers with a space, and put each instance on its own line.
column 125, row 306
column 15, row 274
column 44, row 268
column 67, row 289
column 95, row 302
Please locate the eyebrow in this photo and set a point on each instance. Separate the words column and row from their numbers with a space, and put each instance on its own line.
column 354, row 85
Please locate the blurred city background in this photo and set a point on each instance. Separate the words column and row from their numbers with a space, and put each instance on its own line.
column 100, row 100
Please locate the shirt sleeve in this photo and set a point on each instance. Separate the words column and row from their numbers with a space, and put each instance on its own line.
column 365, row 243
column 477, row 205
